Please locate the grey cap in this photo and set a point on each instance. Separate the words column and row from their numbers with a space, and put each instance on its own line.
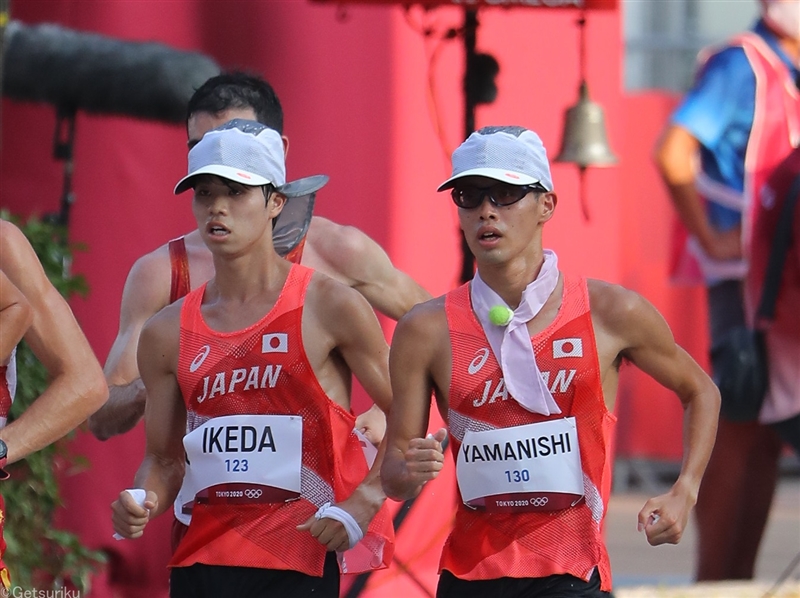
column 243, row 151
column 247, row 152
column 513, row 155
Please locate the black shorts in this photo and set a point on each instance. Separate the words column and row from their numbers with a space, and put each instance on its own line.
column 211, row 581
column 554, row 586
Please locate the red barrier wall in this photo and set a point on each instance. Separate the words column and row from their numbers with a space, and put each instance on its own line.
column 649, row 424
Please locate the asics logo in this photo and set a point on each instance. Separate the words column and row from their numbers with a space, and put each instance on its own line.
column 477, row 362
column 201, row 357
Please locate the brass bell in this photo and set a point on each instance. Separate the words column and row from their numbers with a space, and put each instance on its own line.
column 584, row 141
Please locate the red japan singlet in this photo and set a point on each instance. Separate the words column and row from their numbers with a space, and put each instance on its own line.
column 264, row 370
column 489, row 545
column 180, row 284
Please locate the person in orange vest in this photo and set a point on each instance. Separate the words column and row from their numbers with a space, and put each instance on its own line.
column 739, row 120
column 781, row 407
column 248, row 417
column 524, row 362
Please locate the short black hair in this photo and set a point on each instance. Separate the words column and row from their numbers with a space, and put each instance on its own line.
column 238, row 89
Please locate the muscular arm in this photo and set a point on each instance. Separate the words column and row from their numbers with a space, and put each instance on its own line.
column 15, row 316
column 646, row 341
column 346, row 317
column 417, row 353
column 145, row 293
column 162, row 468
column 675, row 157
column 77, row 387
column 353, row 258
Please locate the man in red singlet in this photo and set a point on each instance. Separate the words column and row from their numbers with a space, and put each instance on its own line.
column 160, row 277
column 76, row 387
column 524, row 362
column 254, row 368
column 342, row 252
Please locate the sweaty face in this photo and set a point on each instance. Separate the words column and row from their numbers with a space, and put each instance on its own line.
column 201, row 123
column 496, row 234
column 232, row 217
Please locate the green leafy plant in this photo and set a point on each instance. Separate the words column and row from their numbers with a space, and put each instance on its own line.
column 38, row 555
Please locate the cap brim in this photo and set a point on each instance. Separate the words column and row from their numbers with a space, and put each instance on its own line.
column 304, row 186
column 498, row 174
column 225, row 172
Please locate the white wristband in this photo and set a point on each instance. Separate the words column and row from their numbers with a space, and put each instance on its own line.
column 138, row 495
column 354, row 533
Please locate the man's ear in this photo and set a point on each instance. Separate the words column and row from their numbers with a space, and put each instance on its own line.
column 285, row 140
column 548, row 202
column 275, row 204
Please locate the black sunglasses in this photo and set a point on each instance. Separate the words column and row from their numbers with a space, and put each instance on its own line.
column 500, row 194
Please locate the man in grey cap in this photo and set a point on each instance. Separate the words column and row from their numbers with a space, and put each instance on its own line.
column 524, row 362
column 248, row 415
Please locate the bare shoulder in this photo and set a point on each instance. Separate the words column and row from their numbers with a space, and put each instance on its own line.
column 338, row 244
column 19, row 262
column 426, row 320
column 15, row 250
column 329, row 297
column 152, row 268
column 613, row 303
column 147, row 287
column 421, row 345
column 163, row 328
column 625, row 315
column 321, row 229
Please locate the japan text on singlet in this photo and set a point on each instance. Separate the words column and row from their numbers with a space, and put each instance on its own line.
column 265, row 445
column 517, row 534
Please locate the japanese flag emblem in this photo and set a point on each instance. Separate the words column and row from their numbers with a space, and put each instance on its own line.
column 277, row 342
column 567, row 347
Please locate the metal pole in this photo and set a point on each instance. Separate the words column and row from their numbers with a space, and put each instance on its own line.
column 470, row 36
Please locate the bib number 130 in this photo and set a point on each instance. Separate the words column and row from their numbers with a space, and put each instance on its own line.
column 518, row 475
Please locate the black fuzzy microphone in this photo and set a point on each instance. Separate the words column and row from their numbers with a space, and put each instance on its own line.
column 86, row 71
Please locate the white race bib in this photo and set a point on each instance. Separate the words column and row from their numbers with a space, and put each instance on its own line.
column 535, row 467
column 241, row 459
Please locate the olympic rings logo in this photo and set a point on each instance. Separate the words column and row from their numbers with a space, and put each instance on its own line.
column 539, row 502
column 251, row 494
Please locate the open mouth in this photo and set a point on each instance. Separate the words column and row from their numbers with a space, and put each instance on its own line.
column 217, row 230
